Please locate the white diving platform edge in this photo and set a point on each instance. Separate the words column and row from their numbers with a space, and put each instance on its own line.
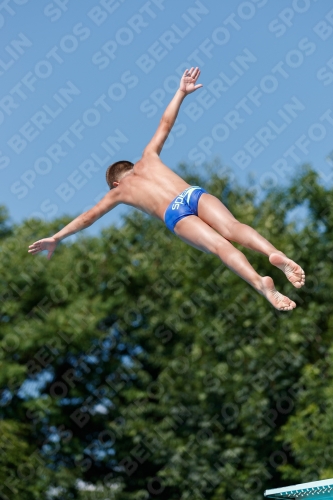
column 315, row 489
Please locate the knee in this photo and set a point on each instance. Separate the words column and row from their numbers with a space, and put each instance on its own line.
column 232, row 229
column 218, row 247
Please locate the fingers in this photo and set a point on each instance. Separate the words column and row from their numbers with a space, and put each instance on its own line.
column 187, row 72
column 35, row 247
column 33, row 252
column 192, row 72
column 196, row 73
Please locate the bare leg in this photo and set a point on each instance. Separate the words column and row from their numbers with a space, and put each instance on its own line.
column 215, row 214
column 197, row 233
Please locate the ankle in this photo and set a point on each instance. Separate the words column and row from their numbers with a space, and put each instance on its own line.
column 259, row 285
column 277, row 252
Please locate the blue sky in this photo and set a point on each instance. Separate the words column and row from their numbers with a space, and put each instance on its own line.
column 84, row 84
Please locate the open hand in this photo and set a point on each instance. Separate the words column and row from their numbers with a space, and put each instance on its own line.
column 188, row 80
column 49, row 244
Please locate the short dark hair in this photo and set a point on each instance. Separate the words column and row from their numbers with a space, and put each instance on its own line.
column 115, row 171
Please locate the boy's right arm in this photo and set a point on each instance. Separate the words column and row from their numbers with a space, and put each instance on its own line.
column 107, row 203
column 187, row 86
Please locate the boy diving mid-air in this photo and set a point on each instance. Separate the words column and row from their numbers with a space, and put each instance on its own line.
column 195, row 216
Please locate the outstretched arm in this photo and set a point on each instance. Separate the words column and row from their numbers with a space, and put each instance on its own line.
column 81, row 222
column 187, row 86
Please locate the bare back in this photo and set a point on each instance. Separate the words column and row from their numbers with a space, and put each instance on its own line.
column 150, row 186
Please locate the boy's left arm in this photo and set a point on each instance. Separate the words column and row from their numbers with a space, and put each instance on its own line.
column 187, row 86
column 81, row 222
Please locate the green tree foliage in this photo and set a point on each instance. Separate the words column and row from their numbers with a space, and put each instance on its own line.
column 138, row 366
column 4, row 223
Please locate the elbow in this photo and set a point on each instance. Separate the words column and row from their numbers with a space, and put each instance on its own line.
column 88, row 220
column 165, row 120
column 166, row 124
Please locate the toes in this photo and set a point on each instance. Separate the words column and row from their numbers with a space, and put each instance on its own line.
column 295, row 274
column 293, row 271
column 288, row 307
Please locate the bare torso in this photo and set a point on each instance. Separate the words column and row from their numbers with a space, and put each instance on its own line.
column 150, row 186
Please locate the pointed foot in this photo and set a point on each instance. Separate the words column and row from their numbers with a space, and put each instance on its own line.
column 293, row 271
column 279, row 301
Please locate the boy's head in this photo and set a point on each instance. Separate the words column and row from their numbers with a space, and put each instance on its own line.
column 117, row 171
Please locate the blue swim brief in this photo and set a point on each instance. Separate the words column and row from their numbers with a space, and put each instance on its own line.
column 185, row 204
